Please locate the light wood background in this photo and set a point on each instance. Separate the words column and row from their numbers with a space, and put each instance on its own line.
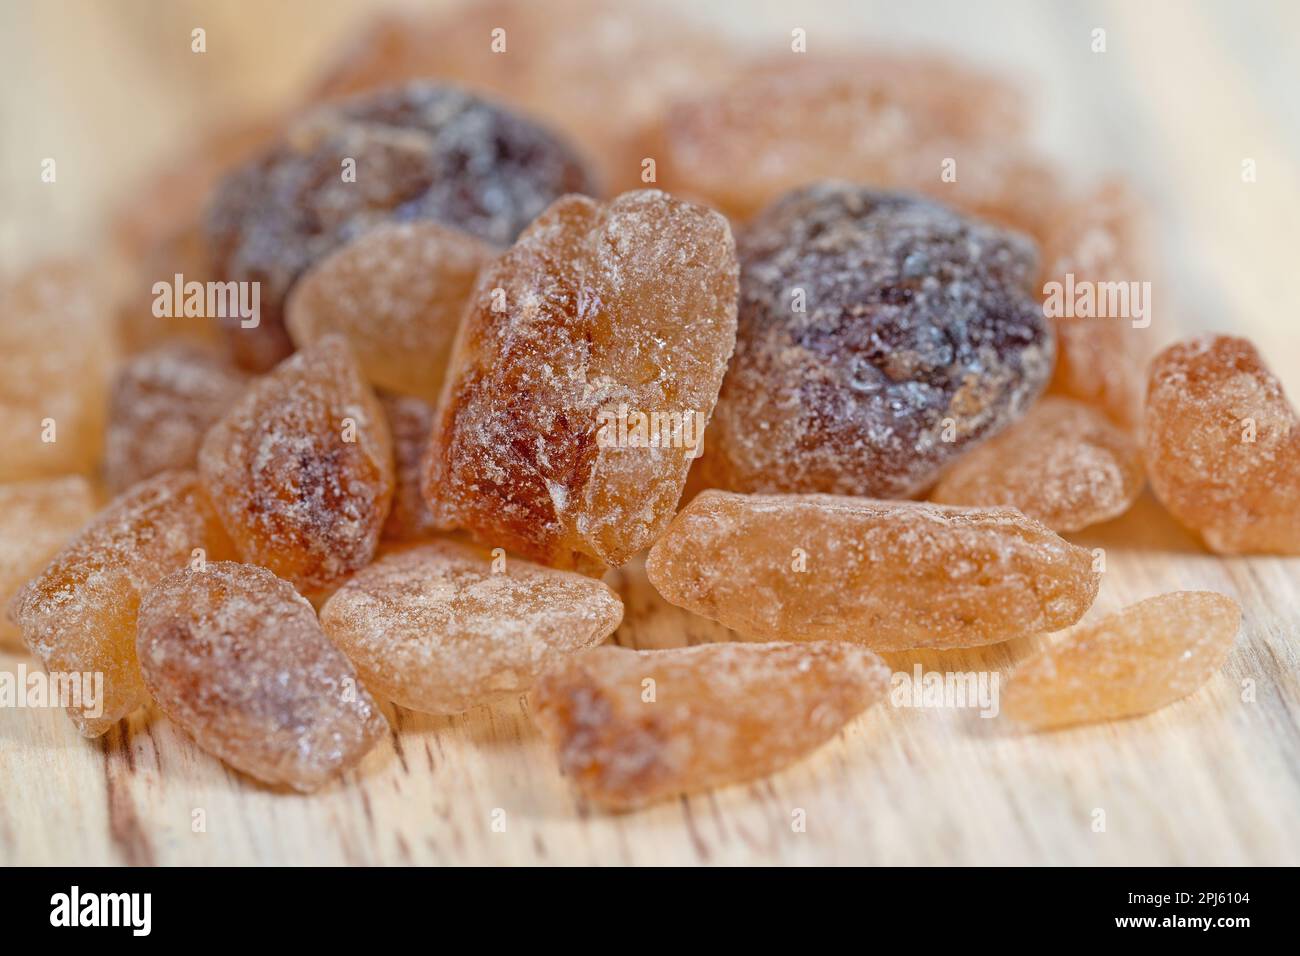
column 1183, row 94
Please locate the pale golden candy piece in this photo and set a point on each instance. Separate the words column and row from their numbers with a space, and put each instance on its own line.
column 1132, row 662
column 442, row 626
column 1064, row 464
column 236, row 657
column 79, row 615
column 1222, row 446
column 396, row 292
column 599, row 317
column 300, row 469
column 56, row 348
column 632, row 727
column 36, row 519
column 890, row 575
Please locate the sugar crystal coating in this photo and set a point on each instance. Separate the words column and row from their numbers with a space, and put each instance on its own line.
column 410, row 421
column 396, row 293
column 1222, row 446
column 79, row 614
column 888, row 574
column 236, row 657
column 421, row 151
column 878, row 336
column 162, row 403
column 1063, row 464
column 442, row 626
column 37, row 518
column 601, row 316
column 1132, row 662
column 632, row 727
column 301, row 468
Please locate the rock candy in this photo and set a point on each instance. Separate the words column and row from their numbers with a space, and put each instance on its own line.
column 410, row 420
column 162, row 403
column 888, row 574
column 236, row 657
column 878, row 337
column 632, row 727
column 79, row 615
column 36, row 519
column 301, row 468
column 441, row 627
column 1063, row 464
column 600, row 317
column 1222, row 446
column 1133, row 662
column 396, row 293
column 419, row 151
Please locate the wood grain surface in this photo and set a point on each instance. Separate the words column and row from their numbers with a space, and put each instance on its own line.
column 1183, row 94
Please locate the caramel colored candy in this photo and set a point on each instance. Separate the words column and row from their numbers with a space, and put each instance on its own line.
column 1222, row 446
column 301, row 468
column 163, row 402
column 396, row 293
column 236, row 657
column 410, row 420
column 79, row 615
column 36, row 519
column 56, row 347
column 888, row 574
column 632, row 727
column 1133, row 662
column 1063, row 464
column 600, row 317
column 441, row 627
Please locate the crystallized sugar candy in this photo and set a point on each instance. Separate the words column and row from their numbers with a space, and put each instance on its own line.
column 1063, row 464
column 632, row 727
column 888, row 574
column 36, row 519
column 56, row 348
column 441, row 627
column 1223, row 446
column 589, row 360
column 397, row 293
column 409, row 421
column 879, row 335
column 162, row 403
column 236, row 657
column 419, row 151
column 301, row 468
column 1146, row 656
column 79, row 615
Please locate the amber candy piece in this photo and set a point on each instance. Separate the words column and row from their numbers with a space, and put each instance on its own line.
column 878, row 336
column 410, row 421
column 632, row 727
column 56, row 348
column 1132, row 662
column 421, row 151
column 888, row 574
column 1222, row 446
column 36, row 519
column 440, row 627
column 600, row 317
column 300, row 469
column 236, row 657
column 1063, row 464
column 162, row 403
column 79, row 614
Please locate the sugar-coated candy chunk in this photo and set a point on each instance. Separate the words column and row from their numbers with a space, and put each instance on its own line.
column 410, row 421
column 79, row 614
column 1222, row 446
column 300, row 469
column 888, row 574
column 236, row 657
column 1064, row 464
column 440, row 627
column 632, row 727
column 1132, row 662
column 588, row 361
